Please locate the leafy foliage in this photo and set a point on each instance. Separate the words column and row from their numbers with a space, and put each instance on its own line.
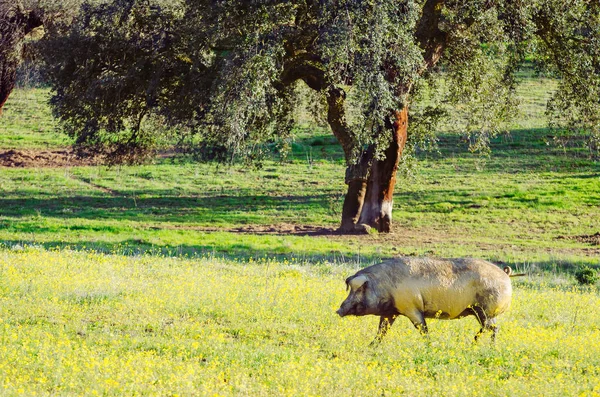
column 586, row 276
column 19, row 19
column 104, row 104
column 221, row 74
column 571, row 44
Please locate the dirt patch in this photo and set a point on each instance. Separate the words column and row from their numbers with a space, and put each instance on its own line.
column 284, row 228
column 287, row 229
column 279, row 229
column 41, row 158
column 593, row 239
column 397, row 240
column 401, row 238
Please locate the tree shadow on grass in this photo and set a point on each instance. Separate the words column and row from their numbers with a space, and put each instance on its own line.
column 244, row 251
column 241, row 251
column 156, row 206
column 218, row 209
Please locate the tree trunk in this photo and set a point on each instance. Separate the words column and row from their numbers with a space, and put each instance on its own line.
column 379, row 198
column 8, row 77
column 369, row 199
column 353, row 204
column 357, row 176
column 15, row 24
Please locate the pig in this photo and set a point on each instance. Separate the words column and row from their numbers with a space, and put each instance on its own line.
column 421, row 288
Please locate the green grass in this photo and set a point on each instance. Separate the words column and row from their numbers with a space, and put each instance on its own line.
column 88, row 324
column 184, row 206
column 27, row 123
column 514, row 206
column 165, row 279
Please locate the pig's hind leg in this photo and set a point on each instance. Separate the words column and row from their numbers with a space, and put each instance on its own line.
column 487, row 323
column 491, row 325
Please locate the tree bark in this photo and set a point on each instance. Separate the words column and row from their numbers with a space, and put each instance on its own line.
column 353, row 204
column 369, row 199
column 357, row 176
column 379, row 198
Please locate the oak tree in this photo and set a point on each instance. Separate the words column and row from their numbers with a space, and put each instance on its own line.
column 224, row 74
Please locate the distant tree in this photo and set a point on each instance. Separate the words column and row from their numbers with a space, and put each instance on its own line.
column 224, row 74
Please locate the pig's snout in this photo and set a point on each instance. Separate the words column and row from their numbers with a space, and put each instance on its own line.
column 340, row 312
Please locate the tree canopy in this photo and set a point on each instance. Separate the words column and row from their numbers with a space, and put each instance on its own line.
column 223, row 75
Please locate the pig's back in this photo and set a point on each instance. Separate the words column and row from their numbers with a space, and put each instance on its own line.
column 445, row 286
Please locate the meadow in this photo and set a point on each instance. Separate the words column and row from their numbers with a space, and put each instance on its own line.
column 180, row 278
column 82, row 323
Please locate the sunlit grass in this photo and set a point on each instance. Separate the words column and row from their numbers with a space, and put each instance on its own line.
column 505, row 211
column 26, row 122
column 76, row 323
column 523, row 204
column 153, row 289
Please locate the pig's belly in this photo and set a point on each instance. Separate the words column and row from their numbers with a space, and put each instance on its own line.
column 444, row 304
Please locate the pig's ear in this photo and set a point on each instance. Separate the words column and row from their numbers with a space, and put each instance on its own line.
column 357, row 282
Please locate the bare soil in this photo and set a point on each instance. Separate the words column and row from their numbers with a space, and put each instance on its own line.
column 593, row 239
column 52, row 158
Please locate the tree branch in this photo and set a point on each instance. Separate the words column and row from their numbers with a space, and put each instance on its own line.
column 431, row 38
column 307, row 67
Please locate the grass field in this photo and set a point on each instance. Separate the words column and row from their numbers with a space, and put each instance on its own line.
column 177, row 278
column 76, row 323
column 526, row 204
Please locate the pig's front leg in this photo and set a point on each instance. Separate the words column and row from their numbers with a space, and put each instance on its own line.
column 385, row 323
column 418, row 320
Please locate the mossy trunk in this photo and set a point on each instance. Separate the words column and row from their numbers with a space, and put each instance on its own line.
column 357, row 176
